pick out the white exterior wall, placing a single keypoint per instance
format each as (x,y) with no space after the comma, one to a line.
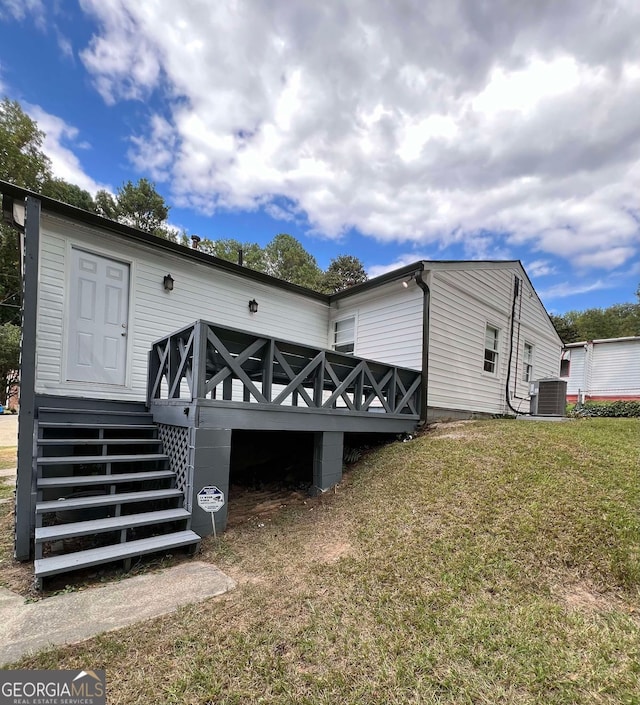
(616,369)
(533,326)
(388,324)
(576,381)
(605,368)
(464,299)
(200,292)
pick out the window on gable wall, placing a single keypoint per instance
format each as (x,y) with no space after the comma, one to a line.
(527,363)
(491,338)
(344,335)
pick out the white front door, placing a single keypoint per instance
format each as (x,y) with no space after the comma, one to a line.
(98,319)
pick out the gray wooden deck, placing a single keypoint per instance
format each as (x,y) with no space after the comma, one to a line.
(207,375)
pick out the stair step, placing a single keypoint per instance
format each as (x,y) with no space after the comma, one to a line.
(103,500)
(96,441)
(112,479)
(98,526)
(99,459)
(105,426)
(85,559)
(89,412)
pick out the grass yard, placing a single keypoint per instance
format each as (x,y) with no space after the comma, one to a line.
(7,487)
(7,460)
(7,457)
(488,562)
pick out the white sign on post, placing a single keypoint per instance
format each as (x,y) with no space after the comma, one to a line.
(211,499)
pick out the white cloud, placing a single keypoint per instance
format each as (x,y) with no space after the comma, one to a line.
(64,44)
(402,261)
(540,268)
(60,138)
(564,289)
(426,123)
(606,259)
(21,9)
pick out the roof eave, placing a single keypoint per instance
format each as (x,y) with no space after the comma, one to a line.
(92,219)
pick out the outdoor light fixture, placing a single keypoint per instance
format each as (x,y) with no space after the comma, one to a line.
(253,306)
(405,283)
(168,282)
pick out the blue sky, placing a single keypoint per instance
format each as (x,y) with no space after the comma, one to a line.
(392,131)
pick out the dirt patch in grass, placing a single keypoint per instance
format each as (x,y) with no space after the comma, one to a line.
(259,506)
(438,426)
(452,429)
(586,597)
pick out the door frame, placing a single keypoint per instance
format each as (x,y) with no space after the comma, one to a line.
(98,252)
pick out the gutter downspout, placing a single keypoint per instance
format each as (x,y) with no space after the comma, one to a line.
(426,308)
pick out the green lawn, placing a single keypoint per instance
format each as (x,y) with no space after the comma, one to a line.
(7,486)
(492,562)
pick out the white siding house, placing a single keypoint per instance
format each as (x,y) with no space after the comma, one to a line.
(387,323)
(149,312)
(126,334)
(606,370)
(467,302)
(476,330)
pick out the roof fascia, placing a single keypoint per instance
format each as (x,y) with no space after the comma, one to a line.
(627,339)
(391,276)
(73,213)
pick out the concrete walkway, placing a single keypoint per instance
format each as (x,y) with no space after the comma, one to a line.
(8,429)
(76,616)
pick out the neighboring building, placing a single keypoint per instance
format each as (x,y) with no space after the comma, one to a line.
(127,334)
(602,370)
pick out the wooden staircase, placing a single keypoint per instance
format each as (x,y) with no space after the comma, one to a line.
(104,491)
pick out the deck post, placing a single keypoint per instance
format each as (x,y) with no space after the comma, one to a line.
(211,454)
(25,492)
(327,460)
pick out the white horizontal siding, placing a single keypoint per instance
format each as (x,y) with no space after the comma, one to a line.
(200,292)
(388,324)
(576,381)
(463,302)
(50,310)
(616,369)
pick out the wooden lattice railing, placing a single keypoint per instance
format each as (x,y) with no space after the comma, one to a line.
(207,361)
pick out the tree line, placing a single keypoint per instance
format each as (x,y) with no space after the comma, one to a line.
(617,321)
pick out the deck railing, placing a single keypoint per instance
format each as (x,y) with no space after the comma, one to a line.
(208,361)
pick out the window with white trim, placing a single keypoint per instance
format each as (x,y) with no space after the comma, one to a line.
(491,340)
(344,335)
(527,363)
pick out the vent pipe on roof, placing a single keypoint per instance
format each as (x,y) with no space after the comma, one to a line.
(195,240)
(240,257)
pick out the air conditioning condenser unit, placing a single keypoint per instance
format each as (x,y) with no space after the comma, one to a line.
(548,397)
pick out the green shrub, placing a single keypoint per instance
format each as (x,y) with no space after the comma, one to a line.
(617,409)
